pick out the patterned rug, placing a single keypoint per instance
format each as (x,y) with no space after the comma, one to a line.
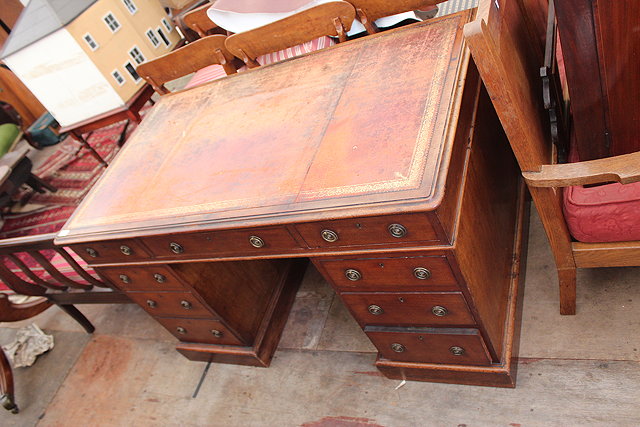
(73,171)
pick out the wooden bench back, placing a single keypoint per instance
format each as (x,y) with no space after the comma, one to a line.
(186,60)
(506,46)
(328,19)
(198,20)
(369,11)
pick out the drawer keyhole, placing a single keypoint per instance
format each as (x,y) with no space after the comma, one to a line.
(126,250)
(181,330)
(151,303)
(160,278)
(185,304)
(216,333)
(124,278)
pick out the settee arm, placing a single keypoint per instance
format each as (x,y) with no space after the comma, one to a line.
(624,169)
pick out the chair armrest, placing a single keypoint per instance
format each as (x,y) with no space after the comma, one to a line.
(624,169)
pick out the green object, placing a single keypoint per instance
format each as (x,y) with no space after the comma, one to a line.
(8,135)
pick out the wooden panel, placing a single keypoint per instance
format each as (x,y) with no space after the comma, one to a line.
(275,239)
(615,254)
(200,331)
(579,48)
(430,345)
(619,44)
(111,251)
(151,278)
(171,304)
(368,231)
(241,292)
(404,309)
(14,92)
(389,273)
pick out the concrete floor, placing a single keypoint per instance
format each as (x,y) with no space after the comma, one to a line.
(573,370)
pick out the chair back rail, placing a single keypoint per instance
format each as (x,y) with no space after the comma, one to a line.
(328,19)
(188,59)
(34,248)
(198,20)
(368,11)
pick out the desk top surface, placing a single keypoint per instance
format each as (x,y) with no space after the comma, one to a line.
(362,128)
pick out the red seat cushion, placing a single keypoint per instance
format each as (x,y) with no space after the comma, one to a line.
(292,52)
(604,213)
(58,262)
(206,74)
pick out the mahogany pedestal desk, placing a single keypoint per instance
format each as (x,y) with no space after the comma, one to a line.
(379,159)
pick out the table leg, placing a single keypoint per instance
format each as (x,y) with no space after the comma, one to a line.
(94,153)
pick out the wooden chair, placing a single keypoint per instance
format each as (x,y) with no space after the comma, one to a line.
(193,57)
(328,19)
(198,21)
(507,44)
(27,268)
(368,11)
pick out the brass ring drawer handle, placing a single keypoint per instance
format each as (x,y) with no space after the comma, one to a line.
(91,252)
(256,241)
(329,235)
(439,311)
(376,310)
(160,278)
(186,305)
(151,303)
(216,333)
(397,230)
(124,278)
(398,348)
(176,248)
(457,351)
(421,273)
(126,250)
(181,330)
(352,274)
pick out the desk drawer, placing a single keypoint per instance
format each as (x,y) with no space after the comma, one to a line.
(430,345)
(391,273)
(171,304)
(111,251)
(390,229)
(246,241)
(410,308)
(200,330)
(151,278)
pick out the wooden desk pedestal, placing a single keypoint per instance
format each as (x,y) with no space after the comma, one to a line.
(396,182)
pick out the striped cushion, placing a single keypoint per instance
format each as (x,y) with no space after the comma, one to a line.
(59,263)
(206,74)
(294,51)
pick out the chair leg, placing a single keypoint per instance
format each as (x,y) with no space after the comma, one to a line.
(72,311)
(567,281)
(39,185)
(6,384)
